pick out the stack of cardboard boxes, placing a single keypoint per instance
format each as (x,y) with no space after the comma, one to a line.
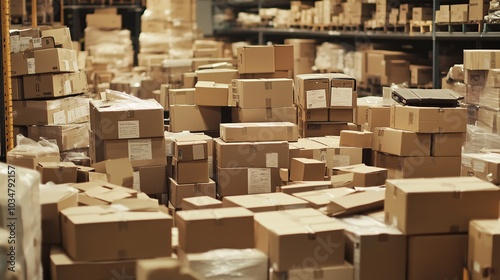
(304,52)
(355,13)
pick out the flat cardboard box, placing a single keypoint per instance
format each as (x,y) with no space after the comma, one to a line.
(63,267)
(200,202)
(459,13)
(312,91)
(484,166)
(151,179)
(57,172)
(493,79)
(447,144)
(119,171)
(178,192)
(209,229)
(242,180)
(429,119)
(68,137)
(67,110)
(258,132)
(399,167)
(340,115)
(188,172)
(104,21)
(264,202)
(373,246)
(256,59)
(83,243)
(190,150)
(262,93)
(53,200)
(481,59)
(117,120)
(304,169)
(319,129)
(317,115)
(357,202)
(220,76)
(194,118)
(483,253)
(251,154)
(378,117)
(345,271)
(320,198)
(211,94)
(185,96)
(424,261)
(445,199)
(359,139)
(281,114)
(401,142)
(343,91)
(364,176)
(421,14)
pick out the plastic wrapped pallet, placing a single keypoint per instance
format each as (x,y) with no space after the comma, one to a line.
(330,57)
(115,54)
(21,222)
(95,36)
(479,140)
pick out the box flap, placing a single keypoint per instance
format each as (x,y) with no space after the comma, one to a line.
(214,214)
(356,202)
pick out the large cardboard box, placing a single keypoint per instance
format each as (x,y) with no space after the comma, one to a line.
(264,202)
(281,114)
(194,118)
(319,129)
(345,271)
(150,179)
(262,93)
(185,96)
(200,202)
(459,13)
(481,59)
(251,154)
(104,21)
(312,91)
(57,172)
(401,142)
(211,94)
(178,192)
(54,85)
(420,75)
(447,144)
(256,59)
(425,262)
(52,201)
(209,229)
(373,246)
(359,139)
(40,61)
(304,169)
(83,243)
(220,76)
(68,137)
(243,180)
(429,119)
(188,172)
(258,132)
(445,200)
(478,9)
(364,176)
(51,112)
(484,166)
(484,249)
(126,120)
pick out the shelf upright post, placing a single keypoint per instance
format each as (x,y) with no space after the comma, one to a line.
(436,73)
(6,128)
(34,18)
(261,32)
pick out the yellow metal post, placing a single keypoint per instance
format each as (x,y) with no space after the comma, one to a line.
(34,18)
(7,84)
(62,12)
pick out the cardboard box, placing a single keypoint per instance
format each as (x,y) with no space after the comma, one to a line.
(281,114)
(285,74)
(104,21)
(459,13)
(343,91)
(493,79)
(52,201)
(40,61)
(242,180)
(378,117)
(357,202)
(444,208)
(51,112)
(283,57)
(178,191)
(304,148)
(475,77)
(478,9)
(57,172)
(87,174)
(18,8)
(200,202)
(391,67)
(363,176)
(372,246)
(63,267)
(299,187)
(29,158)
(264,202)
(17,88)
(447,144)
(62,36)
(484,166)
(422,14)
(418,166)
(187,172)
(151,179)
(317,115)
(54,85)
(81,243)
(256,59)
(444,14)
(481,59)
(303,169)
(119,171)
(319,129)
(189,80)
(258,132)
(312,91)
(137,119)
(212,53)
(190,150)
(220,76)
(209,229)
(401,142)
(429,119)
(211,94)
(194,118)
(320,198)
(359,139)
(345,271)
(335,155)
(68,137)
(483,256)
(262,93)
(424,261)
(140,152)
(420,75)
(98,193)
(185,96)
(340,115)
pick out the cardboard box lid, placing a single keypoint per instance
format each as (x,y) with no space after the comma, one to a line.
(50,194)
(452,185)
(321,198)
(278,201)
(356,202)
(202,200)
(309,229)
(290,213)
(119,171)
(56,165)
(366,225)
(208,84)
(487,226)
(214,214)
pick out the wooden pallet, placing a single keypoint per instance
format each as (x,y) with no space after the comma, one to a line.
(374,28)
(491,27)
(460,27)
(352,27)
(320,27)
(420,26)
(405,28)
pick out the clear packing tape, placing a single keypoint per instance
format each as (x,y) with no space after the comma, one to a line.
(479,140)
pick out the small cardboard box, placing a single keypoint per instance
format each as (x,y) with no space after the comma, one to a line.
(251,154)
(53,200)
(194,118)
(264,202)
(119,171)
(444,208)
(256,59)
(422,14)
(17,88)
(429,119)
(57,172)
(459,13)
(104,21)
(364,176)
(151,179)
(209,229)
(83,243)
(178,192)
(281,114)
(185,96)
(444,14)
(312,91)
(262,93)
(62,36)
(188,172)
(483,254)
(420,75)
(243,180)
(359,139)
(320,198)
(303,169)
(399,167)
(29,159)
(340,115)
(211,94)
(345,271)
(200,202)
(258,132)
(401,142)
(357,202)
(335,155)
(378,117)
(219,76)
(447,144)
(343,91)
(190,150)
(484,166)
(493,78)
(475,77)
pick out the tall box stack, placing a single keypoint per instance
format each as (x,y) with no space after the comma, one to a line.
(356,12)
(422,142)
(304,52)
(405,13)
(383,11)
(325,103)
(123,126)
(47,88)
(442,224)
(388,66)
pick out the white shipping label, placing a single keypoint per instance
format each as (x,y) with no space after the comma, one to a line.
(15,44)
(198,152)
(128,129)
(67,87)
(71,116)
(140,149)
(341,97)
(479,166)
(137,181)
(59,117)
(37,43)
(316,98)
(25,43)
(30,63)
(477,267)
(259,180)
(272,160)
(168,147)
(341,160)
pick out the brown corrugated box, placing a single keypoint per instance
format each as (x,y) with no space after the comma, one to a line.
(283,57)
(62,36)
(262,93)
(119,171)
(421,14)
(363,176)
(420,75)
(429,119)
(335,155)
(483,254)
(264,202)
(151,179)
(51,112)
(459,13)
(343,91)
(304,169)
(258,132)
(444,14)
(200,202)
(340,115)
(484,166)
(256,59)
(190,150)
(481,59)
(53,200)
(475,77)
(357,202)
(187,172)
(251,154)
(40,61)
(17,88)
(189,80)
(378,117)
(243,180)
(391,67)
(221,76)
(194,118)
(54,85)
(316,115)
(445,200)
(306,186)
(185,96)
(57,172)
(359,139)
(401,142)
(211,94)
(104,21)
(312,91)
(320,198)
(68,137)
(178,192)
(447,144)
(319,129)
(493,79)
(280,114)
(104,193)
(28,158)
(345,272)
